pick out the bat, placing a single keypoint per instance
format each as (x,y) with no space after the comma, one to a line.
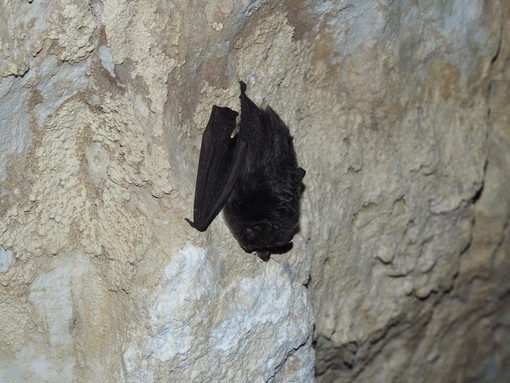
(253,176)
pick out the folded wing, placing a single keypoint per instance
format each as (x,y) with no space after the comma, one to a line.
(221,160)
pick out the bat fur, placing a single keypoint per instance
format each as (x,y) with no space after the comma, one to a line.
(253,176)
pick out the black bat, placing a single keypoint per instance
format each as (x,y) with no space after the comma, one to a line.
(253,176)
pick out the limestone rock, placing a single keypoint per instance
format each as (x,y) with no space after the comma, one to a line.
(399,113)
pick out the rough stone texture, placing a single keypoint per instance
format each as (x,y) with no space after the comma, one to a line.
(400,116)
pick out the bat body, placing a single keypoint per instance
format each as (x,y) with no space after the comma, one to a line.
(253,176)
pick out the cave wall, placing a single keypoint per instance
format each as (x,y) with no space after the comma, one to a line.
(399,113)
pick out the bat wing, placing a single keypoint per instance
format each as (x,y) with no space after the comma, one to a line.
(221,160)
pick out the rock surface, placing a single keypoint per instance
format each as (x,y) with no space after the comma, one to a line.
(399,113)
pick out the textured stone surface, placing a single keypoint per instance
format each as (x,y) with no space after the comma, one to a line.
(400,116)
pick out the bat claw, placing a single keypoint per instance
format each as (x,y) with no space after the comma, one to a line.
(194,225)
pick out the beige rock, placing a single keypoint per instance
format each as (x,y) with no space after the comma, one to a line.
(399,113)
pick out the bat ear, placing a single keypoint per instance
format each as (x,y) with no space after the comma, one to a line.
(264,255)
(300,174)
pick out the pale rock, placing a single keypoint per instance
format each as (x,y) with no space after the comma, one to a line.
(399,112)
(6,259)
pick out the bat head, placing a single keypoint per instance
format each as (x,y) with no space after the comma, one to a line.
(262,237)
(255,236)
(261,219)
